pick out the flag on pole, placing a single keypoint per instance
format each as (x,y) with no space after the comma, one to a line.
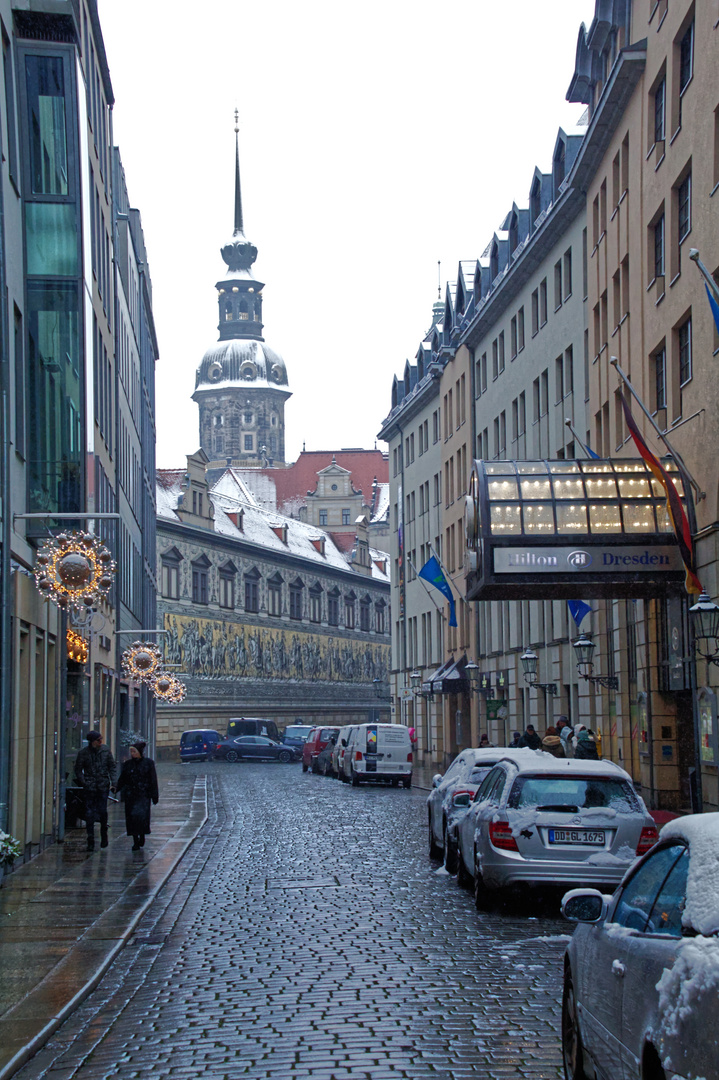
(674,504)
(432,572)
(713,305)
(578,610)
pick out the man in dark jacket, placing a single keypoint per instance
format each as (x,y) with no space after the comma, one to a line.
(95,773)
(530,739)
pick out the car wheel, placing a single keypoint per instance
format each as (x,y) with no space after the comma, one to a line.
(407,783)
(304,767)
(232,755)
(651,1065)
(572,1051)
(355,779)
(435,851)
(450,854)
(313,766)
(482,896)
(463,878)
(284,756)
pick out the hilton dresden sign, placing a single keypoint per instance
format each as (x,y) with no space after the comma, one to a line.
(568,530)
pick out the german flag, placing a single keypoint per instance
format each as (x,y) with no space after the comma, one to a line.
(674,504)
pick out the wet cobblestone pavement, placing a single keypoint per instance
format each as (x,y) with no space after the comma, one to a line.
(307,935)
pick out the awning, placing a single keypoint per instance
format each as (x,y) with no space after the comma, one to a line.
(450,678)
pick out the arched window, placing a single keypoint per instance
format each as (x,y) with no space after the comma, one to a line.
(333,607)
(171,573)
(252,590)
(274,594)
(365,608)
(350,600)
(316,603)
(244,310)
(296,589)
(200,580)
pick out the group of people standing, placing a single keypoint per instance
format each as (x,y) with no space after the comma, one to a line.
(95,771)
(562,740)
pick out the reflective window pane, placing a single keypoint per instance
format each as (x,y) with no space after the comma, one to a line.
(634,487)
(638,517)
(568,488)
(51,237)
(538,518)
(502,489)
(571,517)
(48,133)
(536,489)
(505,519)
(601,488)
(604,518)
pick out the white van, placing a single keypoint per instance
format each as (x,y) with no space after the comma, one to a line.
(379,752)
(338,753)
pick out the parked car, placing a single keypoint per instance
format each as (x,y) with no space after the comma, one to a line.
(257,748)
(323,762)
(641,973)
(451,794)
(316,742)
(338,752)
(252,725)
(379,752)
(462,822)
(296,734)
(198,744)
(553,821)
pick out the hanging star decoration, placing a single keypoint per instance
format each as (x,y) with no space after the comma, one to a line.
(75,570)
(168,688)
(141,661)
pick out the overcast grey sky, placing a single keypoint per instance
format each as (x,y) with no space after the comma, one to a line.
(375,139)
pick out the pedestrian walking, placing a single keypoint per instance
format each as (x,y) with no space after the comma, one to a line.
(585,747)
(138,782)
(516,736)
(484,742)
(413,738)
(530,739)
(552,743)
(95,770)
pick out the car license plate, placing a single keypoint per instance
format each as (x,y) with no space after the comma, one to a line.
(576,836)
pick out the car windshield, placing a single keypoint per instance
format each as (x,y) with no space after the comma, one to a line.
(297,732)
(328,733)
(569,794)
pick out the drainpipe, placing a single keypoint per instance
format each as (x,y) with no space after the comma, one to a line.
(6,680)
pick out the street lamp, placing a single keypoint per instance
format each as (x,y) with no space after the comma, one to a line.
(471,670)
(705,623)
(415,678)
(530,661)
(584,649)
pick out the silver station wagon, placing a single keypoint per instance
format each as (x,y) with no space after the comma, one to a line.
(641,973)
(557,822)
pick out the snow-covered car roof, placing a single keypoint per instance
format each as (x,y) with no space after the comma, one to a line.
(701,832)
(546,763)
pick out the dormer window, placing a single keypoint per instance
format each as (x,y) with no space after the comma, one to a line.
(494,262)
(513,234)
(535,203)
(558,169)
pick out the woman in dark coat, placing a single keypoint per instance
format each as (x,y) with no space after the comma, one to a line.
(138,780)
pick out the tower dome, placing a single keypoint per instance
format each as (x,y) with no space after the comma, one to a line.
(241,383)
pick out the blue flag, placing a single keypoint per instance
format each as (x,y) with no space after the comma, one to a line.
(713,305)
(578,610)
(432,572)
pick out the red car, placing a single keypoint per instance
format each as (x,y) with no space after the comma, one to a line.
(316,742)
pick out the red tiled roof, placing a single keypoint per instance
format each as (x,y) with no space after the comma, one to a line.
(343,541)
(297,479)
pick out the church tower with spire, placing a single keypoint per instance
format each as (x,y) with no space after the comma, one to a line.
(241,384)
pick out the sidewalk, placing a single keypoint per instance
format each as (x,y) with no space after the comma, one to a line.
(66,915)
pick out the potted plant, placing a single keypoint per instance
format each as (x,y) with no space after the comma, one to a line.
(9,852)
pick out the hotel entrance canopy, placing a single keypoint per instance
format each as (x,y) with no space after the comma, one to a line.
(570,530)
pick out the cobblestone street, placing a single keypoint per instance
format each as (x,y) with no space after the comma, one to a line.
(306,934)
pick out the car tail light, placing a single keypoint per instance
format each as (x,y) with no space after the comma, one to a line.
(648,839)
(409,757)
(500,835)
(358,755)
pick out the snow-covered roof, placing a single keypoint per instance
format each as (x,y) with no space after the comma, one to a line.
(382,507)
(259,524)
(574,765)
(701,832)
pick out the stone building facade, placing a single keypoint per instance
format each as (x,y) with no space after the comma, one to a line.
(265,615)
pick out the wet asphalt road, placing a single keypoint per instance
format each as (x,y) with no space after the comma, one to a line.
(306,934)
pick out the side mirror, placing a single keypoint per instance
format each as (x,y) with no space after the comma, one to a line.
(584,905)
(436,779)
(343,742)
(462,799)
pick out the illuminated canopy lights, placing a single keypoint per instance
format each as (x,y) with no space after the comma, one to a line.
(74,570)
(77,648)
(141,661)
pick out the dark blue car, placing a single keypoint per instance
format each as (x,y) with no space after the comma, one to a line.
(255,748)
(199,744)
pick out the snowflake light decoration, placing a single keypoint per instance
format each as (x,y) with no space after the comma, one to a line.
(141,661)
(74,570)
(168,688)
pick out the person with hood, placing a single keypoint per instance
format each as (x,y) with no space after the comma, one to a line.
(530,739)
(552,743)
(484,743)
(95,770)
(138,781)
(565,732)
(516,736)
(585,747)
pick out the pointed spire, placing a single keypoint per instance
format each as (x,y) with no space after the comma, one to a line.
(238,194)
